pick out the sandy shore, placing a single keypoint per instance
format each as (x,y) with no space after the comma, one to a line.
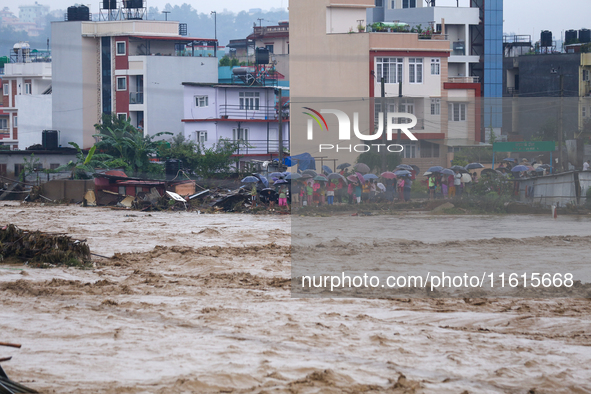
(201,303)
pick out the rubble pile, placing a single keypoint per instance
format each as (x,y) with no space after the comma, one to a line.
(42,249)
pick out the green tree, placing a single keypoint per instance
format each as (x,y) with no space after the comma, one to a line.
(373,160)
(29,167)
(84,163)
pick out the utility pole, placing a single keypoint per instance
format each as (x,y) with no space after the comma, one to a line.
(399,135)
(383,110)
(215,32)
(166,15)
(280,117)
(560,127)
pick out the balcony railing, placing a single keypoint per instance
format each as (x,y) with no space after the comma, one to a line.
(463,80)
(251,112)
(512,90)
(136,97)
(259,147)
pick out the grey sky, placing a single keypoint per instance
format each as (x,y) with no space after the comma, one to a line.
(521,16)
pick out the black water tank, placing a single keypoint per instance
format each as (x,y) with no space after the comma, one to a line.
(49,139)
(546,38)
(584,36)
(570,37)
(262,56)
(72,13)
(83,13)
(109,4)
(172,167)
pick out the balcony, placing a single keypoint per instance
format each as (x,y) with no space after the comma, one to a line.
(260,147)
(463,80)
(257,112)
(458,48)
(136,97)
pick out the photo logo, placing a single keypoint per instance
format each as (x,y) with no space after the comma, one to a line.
(390,126)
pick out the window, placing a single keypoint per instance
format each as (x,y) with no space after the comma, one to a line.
(3,170)
(120,48)
(270,48)
(202,136)
(121,83)
(201,101)
(18,168)
(584,112)
(240,134)
(415,70)
(3,124)
(457,112)
(122,116)
(429,149)
(585,75)
(377,110)
(5,89)
(54,166)
(379,3)
(405,106)
(410,150)
(435,107)
(249,100)
(390,68)
(15,121)
(409,3)
(435,66)
(28,88)
(392,4)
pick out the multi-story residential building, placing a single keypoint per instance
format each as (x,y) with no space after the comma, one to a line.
(128,68)
(353,67)
(248,114)
(475,35)
(33,13)
(26,98)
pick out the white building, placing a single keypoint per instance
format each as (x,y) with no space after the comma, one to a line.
(236,113)
(33,13)
(26,84)
(131,68)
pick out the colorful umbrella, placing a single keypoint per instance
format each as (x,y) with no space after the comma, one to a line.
(360,177)
(388,175)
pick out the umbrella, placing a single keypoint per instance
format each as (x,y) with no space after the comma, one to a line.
(262,179)
(370,176)
(307,176)
(344,165)
(281,182)
(404,167)
(388,175)
(459,169)
(448,171)
(427,173)
(519,168)
(546,166)
(416,168)
(353,178)
(381,187)
(310,172)
(474,166)
(277,175)
(540,169)
(435,169)
(360,176)
(489,171)
(326,170)
(320,178)
(509,159)
(250,179)
(402,173)
(293,176)
(336,176)
(362,168)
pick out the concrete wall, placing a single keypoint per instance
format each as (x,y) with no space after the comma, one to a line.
(34,117)
(163,94)
(557,189)
(46,159)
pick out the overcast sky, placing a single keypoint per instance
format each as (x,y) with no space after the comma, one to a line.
(521,16)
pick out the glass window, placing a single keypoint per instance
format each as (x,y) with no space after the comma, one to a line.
(5,89)
(435,66)
(122,116)
(270,48)
(28,88)
(390,68)
(415,70)
(409,3)
(379,3)
(121,83)
(435,107)
(3,124)
(249,100)
(121,48)
(240,134)
(410,150)
(457,112)
(15,120)
(201,101)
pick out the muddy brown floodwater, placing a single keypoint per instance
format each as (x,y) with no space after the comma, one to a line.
(191,303)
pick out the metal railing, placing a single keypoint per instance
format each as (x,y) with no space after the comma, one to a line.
(258,147)
(136,97)
(251,112)
(463,79)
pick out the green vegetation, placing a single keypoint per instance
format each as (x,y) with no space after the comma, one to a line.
(373,160)
(85,163)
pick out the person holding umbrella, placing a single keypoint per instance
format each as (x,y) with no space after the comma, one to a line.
(457,183)
(432,187)
(407,187)
(358,191)
(296,188)
(330,188)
